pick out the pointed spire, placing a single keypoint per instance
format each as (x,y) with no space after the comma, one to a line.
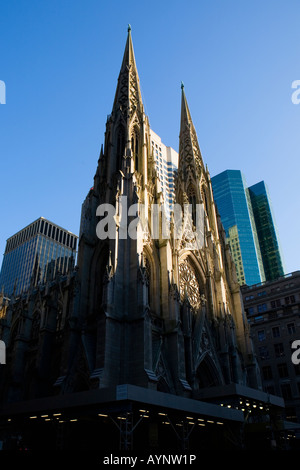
(128,96)
(189,150)
(186,119)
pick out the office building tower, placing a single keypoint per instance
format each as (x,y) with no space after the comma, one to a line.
(36,253)
(235,209)
(166,163)
(273,310)
(266,231)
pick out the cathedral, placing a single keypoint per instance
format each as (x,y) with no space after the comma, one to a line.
(145,339)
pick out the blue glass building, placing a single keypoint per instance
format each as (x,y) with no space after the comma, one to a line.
(234,206)
(36,253)
(266,231)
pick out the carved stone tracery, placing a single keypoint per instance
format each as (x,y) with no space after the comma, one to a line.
(189,285)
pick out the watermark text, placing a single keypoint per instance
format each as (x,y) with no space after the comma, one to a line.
(296,94)
(2,353)
(296,354)
(2,92)
(139,221)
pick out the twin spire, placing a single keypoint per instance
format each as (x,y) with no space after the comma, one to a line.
(128,100)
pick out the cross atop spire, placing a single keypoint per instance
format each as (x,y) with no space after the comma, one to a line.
(128,96)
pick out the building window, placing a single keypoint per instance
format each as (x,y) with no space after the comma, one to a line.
(249,297)
(276,331)
(258,318)
(286,391)
(263,352)
(279,351)
(267,372)
(289,300)
(261,308)
(283,370)
(261,335)
(291,328)
(135,148)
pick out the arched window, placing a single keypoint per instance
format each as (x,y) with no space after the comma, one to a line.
(135,148)
(193,203)
(192,200)
(189,285)
(204,197)
(35,328)
(120,146)
(148,279)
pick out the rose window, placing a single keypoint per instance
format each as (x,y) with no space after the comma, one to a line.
(189,284)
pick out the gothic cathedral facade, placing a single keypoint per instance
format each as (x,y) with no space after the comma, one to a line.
(154,312)
(158,313)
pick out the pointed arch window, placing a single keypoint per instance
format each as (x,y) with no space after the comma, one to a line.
(135,148)
(204,197)
(193,203)
(148,278)
(35,328)
(120,146)
(189,285)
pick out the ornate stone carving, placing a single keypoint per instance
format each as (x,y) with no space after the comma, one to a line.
(189,285)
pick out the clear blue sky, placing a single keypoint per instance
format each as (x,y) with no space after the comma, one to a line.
(60,62)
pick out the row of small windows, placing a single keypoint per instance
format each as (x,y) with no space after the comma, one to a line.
(282,369)
(34,254)
(58,235)
(274,289)
(47,229)
(153,143)
(260,308)
(261,334)
(286,391)
(22,236)
(264,353)
(283,372)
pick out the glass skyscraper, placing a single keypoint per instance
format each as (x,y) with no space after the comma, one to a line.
(234,206)
(266,231)
(36,253)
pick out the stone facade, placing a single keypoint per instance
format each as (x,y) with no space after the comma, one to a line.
(151,312)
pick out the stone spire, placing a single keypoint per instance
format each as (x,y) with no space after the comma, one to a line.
(190,158)
(128,98)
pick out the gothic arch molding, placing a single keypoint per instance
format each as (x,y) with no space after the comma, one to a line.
(120,139)
(154,278)
(207,373)
(190,258)
(97,272)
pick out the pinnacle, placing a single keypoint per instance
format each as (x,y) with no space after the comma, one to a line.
(128,94)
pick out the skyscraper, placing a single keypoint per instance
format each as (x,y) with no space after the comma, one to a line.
(234,206)
(166,162)
(39,250)
(266,231)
